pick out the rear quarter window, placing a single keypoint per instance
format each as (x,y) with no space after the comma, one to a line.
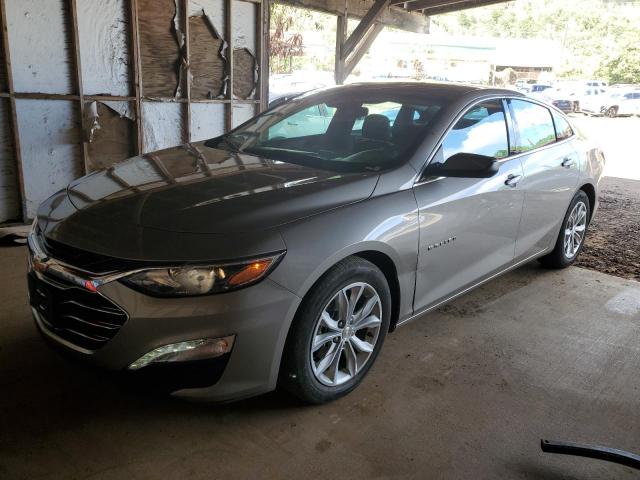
(563,129)
(534,125)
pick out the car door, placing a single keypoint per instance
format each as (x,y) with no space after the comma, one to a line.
(468,226)
(550,165)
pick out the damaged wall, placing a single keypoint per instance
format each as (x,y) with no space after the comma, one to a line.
(160,50)
(111,132)
(88,95)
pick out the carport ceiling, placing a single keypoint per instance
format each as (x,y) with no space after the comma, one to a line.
(410,15)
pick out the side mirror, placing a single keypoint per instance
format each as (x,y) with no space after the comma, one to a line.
(465,165)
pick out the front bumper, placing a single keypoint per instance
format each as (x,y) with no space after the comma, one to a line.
(258,316)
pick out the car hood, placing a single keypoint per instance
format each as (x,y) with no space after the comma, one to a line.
(197,189)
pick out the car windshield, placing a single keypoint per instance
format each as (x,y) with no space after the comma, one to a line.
(362,132)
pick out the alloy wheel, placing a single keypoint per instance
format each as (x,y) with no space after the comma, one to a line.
(575,229)
(346,334)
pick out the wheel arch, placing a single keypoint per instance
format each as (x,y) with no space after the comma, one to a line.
(590,190)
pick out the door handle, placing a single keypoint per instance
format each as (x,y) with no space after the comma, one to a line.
(567,162)
(512,180)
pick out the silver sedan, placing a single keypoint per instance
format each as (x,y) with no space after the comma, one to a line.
(284,252)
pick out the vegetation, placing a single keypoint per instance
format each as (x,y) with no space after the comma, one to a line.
(599,38)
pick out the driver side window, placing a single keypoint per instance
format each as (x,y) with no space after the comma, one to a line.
(482,130)
(313,120)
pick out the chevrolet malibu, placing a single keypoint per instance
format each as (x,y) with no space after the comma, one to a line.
(283,252)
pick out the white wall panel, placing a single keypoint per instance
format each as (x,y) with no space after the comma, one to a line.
(207,120)
(39,46)
(244,16)
(242,113)
(49,143)
(103,34)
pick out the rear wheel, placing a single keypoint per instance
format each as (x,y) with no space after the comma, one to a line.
(571,237)
(337,333)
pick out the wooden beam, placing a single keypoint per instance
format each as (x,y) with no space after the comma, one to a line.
(364,46)
(422,4)
(77,60)
(393,17)
(14,115)
(429,7)
(364,26)
(187,69)
(228,6)
(137,73)
(341,34)
(263,56)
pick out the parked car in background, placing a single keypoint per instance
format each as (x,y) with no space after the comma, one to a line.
(618,102)
(284,252)
(560,99)
(579,91)
(536,90)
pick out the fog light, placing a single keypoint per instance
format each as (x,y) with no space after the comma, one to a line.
(200,349)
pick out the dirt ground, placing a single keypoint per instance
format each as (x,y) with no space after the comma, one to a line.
(613,240)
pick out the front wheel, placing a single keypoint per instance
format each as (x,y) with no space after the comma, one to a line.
(337,333)
(612,112)
(571,237)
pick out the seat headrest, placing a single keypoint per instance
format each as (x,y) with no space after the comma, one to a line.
(376,127)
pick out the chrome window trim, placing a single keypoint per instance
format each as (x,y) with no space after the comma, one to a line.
(472,104)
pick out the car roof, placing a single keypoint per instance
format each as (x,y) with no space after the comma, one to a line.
(437,89)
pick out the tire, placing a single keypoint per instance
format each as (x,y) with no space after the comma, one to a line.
(564,254)
(612,112)
(320,317)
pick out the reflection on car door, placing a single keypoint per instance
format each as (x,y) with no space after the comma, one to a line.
(550,174)
(468,226)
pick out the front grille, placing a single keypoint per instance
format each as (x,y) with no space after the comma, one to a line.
(83,259)
(81,317)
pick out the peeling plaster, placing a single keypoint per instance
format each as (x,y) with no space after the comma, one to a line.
(160,48)
(103,33)
(245,73)
(208,69)
(110,133)
(161,125)
(39,46)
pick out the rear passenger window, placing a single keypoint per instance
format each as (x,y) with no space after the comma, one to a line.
(563,129)
(482,130)
(534,124)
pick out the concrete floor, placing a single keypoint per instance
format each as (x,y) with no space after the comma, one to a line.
(465,392)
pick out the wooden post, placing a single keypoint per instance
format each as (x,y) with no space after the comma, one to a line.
(75,35)
(229,34)
(14,115)
(263,55)
(341,35)
(187,70)
(137,73)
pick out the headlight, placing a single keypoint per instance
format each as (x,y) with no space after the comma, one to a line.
(191,280)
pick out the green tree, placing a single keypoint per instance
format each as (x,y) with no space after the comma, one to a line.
(624,68)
